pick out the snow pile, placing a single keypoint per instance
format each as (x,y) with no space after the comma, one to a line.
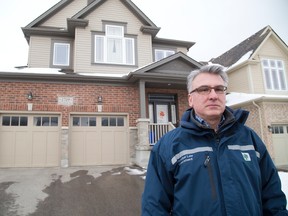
(131,171)
(33,70)
(244,58)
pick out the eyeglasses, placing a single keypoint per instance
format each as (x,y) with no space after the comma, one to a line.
(205,90)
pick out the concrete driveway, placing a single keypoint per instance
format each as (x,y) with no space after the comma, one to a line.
(81,191)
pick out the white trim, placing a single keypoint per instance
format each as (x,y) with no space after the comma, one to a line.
(243,148)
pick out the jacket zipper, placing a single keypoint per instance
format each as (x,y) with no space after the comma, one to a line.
(207,165)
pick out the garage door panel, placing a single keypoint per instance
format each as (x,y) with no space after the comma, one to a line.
(120,146)
(7,149)
(98,140)
(52,148)
(108,150)
(93,148)
(280,144)
(77,155)
(22,149)
(29,140)
(280,150)
(39,149)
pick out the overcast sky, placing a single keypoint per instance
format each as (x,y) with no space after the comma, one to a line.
(214,25)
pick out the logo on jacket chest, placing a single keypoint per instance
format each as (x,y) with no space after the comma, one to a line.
(246,156)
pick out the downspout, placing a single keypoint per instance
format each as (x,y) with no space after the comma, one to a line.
(260,117)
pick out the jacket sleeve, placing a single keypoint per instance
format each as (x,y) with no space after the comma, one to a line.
(157,196)
(273,198)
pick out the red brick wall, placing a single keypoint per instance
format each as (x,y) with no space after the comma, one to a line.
(118,99)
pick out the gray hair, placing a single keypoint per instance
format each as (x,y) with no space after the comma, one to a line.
(212,69)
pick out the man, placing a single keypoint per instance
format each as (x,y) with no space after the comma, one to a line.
(212,164)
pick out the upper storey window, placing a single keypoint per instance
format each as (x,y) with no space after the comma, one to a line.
(274,74)
(61,54)
(160,54)
(114,47)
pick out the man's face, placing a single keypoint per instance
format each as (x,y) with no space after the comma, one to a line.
(211,105)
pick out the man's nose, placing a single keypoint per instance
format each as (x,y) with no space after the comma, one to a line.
(213,94)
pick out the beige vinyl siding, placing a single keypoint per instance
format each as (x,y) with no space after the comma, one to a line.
(257,81)
(271,49)
(110,11)
(239,81)
(60,18)
(38,45)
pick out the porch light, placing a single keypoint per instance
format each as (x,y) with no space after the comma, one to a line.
(99,105)
(30,96)
(100,99)
(270,128)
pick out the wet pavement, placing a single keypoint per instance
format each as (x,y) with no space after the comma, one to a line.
(82,191)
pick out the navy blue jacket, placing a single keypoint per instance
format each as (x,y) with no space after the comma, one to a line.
(193,170)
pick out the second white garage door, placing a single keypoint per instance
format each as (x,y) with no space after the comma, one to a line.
(98,140)
(280,144)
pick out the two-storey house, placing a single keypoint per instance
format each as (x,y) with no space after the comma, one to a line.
(98,78)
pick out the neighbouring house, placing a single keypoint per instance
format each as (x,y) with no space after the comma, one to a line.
(258,82)
(99,87)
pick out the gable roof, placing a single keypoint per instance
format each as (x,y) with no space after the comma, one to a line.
(245,49)
(170,72)
(78,19)
(177,56)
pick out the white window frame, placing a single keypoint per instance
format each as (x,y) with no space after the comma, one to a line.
(274,75)
(102,41)
(163,53)
(58,59)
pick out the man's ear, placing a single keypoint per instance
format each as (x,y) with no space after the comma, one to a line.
(190,100)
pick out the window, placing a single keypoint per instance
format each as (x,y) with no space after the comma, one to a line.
(14,121)
(274,74)
(114,47)
(160,54)
(85,121)
(45,121)
(61,54)
(280,129)
(112,121)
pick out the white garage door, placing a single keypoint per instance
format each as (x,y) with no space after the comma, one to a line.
(98,140)
(29,140)
(280,144)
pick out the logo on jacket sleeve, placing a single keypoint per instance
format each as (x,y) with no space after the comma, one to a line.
(246,156)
